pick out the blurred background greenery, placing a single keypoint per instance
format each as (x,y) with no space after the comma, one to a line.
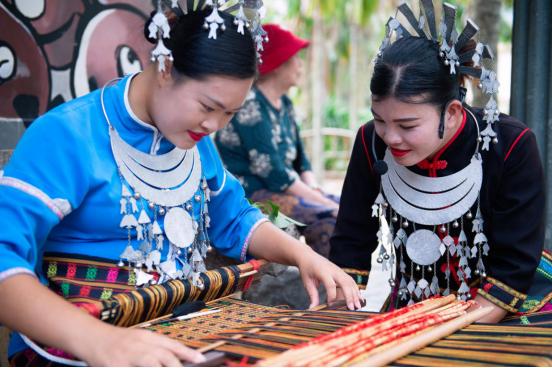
(333,99)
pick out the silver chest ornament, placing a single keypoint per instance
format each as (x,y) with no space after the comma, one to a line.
(409,201)
(164,208)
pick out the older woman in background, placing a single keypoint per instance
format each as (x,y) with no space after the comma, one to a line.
(262,148)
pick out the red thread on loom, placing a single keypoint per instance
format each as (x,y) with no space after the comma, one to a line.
(340,348)
(372,322)
(256,266)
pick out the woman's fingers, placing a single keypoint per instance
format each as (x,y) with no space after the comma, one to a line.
(170,360)
(347,289)
(331,288)
(134,347)
(185,353)
(174,352)
(312,291)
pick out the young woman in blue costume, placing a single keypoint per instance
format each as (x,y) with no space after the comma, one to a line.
(127,175)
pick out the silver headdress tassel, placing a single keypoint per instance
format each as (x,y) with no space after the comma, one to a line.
(451,45)
(247,14)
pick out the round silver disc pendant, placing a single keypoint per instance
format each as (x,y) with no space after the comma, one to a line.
(423,246)
(179,227)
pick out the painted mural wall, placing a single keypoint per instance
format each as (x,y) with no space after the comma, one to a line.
(52,51)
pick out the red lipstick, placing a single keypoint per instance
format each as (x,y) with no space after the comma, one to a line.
(398,153)
(196,136)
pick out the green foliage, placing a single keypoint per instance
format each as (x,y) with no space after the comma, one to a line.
(336,113)
(272,210)
(363,9)
(357,11)
(505,35)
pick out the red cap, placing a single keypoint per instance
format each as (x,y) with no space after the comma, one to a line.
(281,47)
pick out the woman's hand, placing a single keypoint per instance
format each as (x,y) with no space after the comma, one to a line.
(55,322)
(270,243)
(316,270)
(116,346)
(495,316)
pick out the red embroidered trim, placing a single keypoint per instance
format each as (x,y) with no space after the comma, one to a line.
(435,165)
(366,148)
(515,142)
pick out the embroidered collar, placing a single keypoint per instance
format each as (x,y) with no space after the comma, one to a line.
(437,164)
(133,130)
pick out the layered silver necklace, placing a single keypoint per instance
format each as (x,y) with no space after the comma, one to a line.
(408,200)
(164,200)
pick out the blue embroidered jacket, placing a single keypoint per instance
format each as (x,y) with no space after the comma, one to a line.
(61,190)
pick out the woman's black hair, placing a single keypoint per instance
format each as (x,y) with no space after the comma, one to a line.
(412,71)
(197,56)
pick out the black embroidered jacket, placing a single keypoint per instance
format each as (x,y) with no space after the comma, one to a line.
(512,204)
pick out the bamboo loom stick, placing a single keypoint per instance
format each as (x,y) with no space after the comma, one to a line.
(385,342)
(250,273)
(350,339)
(345,349)
(423,339)
(384,321)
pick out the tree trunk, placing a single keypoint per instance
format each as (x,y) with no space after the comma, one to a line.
(353,75)
(317,95)
(487,17)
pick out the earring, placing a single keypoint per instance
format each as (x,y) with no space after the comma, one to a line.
(442,124)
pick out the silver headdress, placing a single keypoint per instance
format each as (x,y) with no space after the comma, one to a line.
(451,45)
(247,14)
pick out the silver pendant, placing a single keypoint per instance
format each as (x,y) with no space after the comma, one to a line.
(178,227)
(423,246)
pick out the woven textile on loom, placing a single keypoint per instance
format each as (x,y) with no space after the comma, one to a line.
(248,333)
(109,292)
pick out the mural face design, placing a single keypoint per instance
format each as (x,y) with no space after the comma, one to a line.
(112,45)
(24,77)
(57,50)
